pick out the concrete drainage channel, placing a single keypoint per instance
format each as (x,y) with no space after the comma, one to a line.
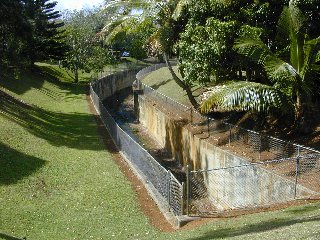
(224,180)
(161,184)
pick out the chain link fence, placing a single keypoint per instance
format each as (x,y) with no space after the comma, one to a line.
(164,185)
(145,71)
(249,186)
(269,171)
(273,171)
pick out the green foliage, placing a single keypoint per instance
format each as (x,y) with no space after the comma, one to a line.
(132,37)
(30,31)
(147,24)
(87,52)
(44,40)
(205,48)
(245,96)
(204,51)
(296,77)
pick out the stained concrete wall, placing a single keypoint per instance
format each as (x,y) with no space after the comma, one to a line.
(110,84)
(235,182)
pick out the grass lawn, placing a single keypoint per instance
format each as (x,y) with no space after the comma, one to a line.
(161,80)
(57,181)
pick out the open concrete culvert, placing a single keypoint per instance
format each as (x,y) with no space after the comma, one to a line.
(121,107)
(162,151)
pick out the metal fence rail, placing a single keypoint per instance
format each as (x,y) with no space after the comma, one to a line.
(163,181)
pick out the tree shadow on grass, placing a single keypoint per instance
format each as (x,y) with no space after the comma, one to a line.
(73,130)
(20,81)
(8,237)
(55,76)
(270,225)
(15,165)
(158,85)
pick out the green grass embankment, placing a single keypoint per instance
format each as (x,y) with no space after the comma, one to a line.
(57,181)
(162,81)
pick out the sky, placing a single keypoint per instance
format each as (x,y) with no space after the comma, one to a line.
(76,4)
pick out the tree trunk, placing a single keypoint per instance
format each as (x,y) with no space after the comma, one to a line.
(181,84)
(76,76)
(303,121)
(249,74)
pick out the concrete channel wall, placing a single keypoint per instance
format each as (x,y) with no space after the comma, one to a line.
(233,181)
(160,183)
(113,83)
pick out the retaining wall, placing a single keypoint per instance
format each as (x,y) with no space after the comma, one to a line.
(108,85)
(235,182)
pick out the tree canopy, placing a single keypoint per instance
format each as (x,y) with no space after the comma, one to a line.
(87,50)
(30,31)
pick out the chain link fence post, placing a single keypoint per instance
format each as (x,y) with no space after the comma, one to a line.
(188,189)
(169,188)
(260,146)
(229,135)
(182,197)
(297,173)
(208,126)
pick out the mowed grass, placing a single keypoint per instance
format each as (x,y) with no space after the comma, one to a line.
(162,81)
(57,181)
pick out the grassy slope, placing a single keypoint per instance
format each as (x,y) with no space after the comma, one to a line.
(162,81)
(56,179)
(58,182)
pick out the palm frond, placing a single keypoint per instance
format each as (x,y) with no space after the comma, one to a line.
(125,3)
(111,29)
(245,96)
(297,18)
(284,24)
(279,70)
(311,55)
(317,58)
(255,49)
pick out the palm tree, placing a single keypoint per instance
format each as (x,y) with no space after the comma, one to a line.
(165,12)
(293,78)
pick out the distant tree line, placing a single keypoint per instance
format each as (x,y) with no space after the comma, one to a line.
(33,31)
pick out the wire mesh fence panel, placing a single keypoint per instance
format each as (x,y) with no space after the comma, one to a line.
(176,195)
(308,169)
(166,185)
(200,202)
(175,108)
(239,187)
